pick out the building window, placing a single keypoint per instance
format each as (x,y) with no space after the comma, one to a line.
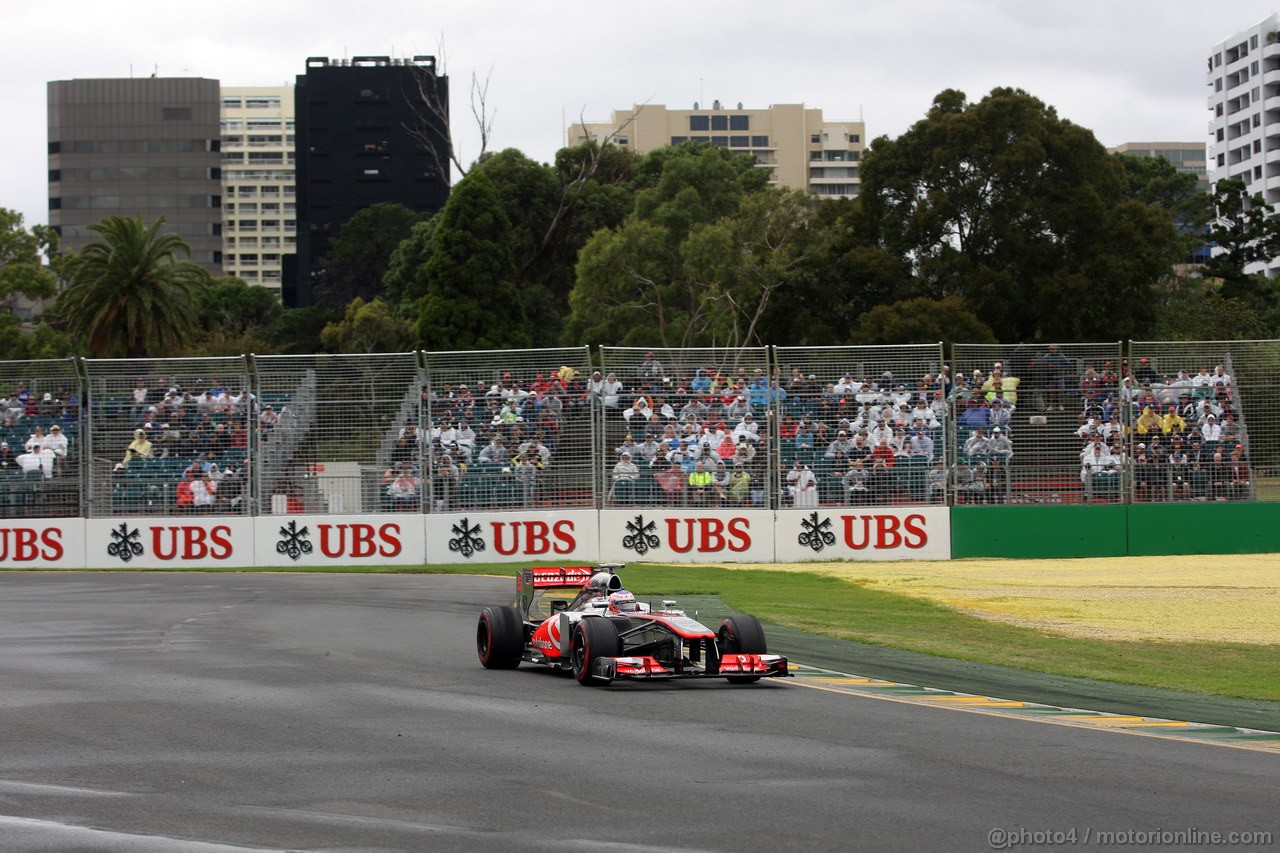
(1257,120)
(678,140)
(739,141)
(739,122)
(55,203)
(268,103)
(1253,43)
(855,137)
(759,142)
(719,122)
(229,103)
(701,140)
(55,147)
(175,113)
(815,139)
(815,155)
(1217,85)
(621,140)
(1221,134)
(720,141)
(699,122)
(55,175)
(1257,146)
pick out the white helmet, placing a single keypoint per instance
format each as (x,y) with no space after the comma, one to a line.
(622,602)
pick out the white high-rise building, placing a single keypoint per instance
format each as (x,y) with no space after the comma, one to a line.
(259,200)
(1244,104)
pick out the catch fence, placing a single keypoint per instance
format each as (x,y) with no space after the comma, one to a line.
(752,428)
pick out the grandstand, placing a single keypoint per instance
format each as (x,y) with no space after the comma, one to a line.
(762,428)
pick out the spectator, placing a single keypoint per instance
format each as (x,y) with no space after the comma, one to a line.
(1173,423)
(978,447)
(204,492)
(700,482)
(447,479)
(999,446)
(139,448)
(748,429)
(971,483)
(1144,373)
(651,373)
(1220,377)
(36,460)
(857,483)
(740,485)
(1056,366)
(1241,479)
(802,485)
(671,481)
(1098,470)
(1179,470)
(842,444)
(1149,422)
(937,483)
(268,420)
(611,390)
(1219,477)
(495,452)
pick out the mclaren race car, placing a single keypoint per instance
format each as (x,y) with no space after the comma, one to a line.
(580,619)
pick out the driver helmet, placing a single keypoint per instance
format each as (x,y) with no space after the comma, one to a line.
(622,602)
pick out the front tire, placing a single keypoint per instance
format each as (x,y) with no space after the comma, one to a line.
(593,638)
(500,637)
(741,635)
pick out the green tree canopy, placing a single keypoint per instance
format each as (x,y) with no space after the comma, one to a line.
(471,301)
(359,256)
(22,272)
(368,327)
(129,294)
(922,320)
(1244,233)
(698,261)
(1012,208)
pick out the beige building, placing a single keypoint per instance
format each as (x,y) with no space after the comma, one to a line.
(259,199)
(795,143)
(1187,157)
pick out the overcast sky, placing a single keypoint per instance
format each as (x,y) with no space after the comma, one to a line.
(1128,71)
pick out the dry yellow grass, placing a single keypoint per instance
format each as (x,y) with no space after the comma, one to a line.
(1196,598)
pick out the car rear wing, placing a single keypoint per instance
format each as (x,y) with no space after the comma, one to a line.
(530,580)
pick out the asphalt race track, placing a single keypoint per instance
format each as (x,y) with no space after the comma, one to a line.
(214,712)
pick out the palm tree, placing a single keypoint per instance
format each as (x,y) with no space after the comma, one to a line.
(129,294)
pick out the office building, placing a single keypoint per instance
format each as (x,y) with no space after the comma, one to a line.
(133,147)
(259,200)
(1243,75)
(800,148)
(370,129)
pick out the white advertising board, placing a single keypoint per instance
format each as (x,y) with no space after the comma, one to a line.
(42,543)
(179,542)
(863,533)
(687,536)
(341,540)
(513,537)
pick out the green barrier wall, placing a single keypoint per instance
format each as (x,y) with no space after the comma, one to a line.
(1204,528)
(1044,532)
(1039,532)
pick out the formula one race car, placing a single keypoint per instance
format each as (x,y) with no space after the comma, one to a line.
(580,619)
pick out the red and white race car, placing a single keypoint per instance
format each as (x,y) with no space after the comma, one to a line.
(580,619)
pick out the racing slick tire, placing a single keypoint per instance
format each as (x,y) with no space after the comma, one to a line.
(593,638)
(741,635)
(500,637)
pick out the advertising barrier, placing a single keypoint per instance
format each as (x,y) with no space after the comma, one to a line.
(37,543)
(863,533)
(512,537)
(340,540)
(683,536)
(168,542)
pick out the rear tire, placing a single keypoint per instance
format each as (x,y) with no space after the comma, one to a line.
(500,637)
(741,635)
(593,638)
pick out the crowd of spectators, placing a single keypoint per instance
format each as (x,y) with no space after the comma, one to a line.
(39,453)
(189,447)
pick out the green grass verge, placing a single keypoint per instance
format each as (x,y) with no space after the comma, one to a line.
(836,607)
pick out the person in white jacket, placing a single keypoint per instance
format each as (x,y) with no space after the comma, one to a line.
(803,486)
